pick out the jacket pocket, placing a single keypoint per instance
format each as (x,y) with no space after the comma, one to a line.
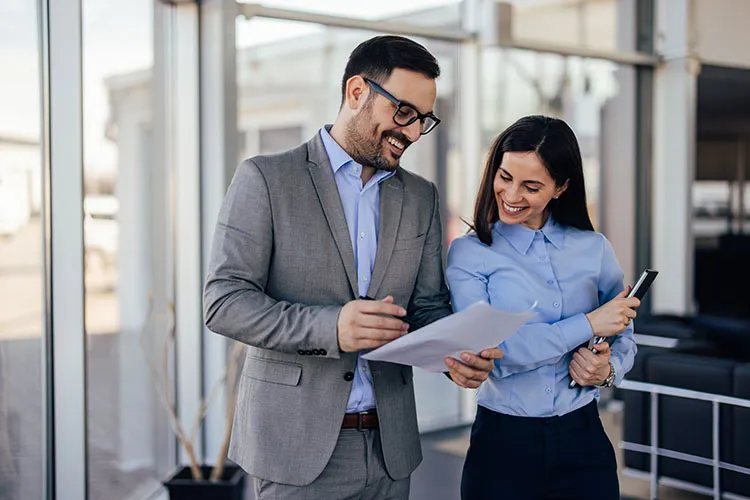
(269,370)
(409,243)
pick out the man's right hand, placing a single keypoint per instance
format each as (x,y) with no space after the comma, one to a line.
(367,324)
(614,317)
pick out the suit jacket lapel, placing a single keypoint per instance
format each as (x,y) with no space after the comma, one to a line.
(328,194)
(391,199)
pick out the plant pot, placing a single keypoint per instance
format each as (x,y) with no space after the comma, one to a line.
(182,486)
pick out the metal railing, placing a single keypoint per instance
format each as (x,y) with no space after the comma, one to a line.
(655,451)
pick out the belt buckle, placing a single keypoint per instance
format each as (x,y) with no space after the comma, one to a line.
(361,419)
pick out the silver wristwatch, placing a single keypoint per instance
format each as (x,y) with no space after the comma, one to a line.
(610,380)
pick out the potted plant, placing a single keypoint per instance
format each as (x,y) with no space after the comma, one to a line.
(196,481)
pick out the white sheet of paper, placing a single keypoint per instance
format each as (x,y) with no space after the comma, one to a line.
(471,330)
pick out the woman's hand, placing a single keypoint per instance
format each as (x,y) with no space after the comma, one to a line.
(473,369)
(588,368)
(614,317)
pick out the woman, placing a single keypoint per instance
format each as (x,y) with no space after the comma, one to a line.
(535,436)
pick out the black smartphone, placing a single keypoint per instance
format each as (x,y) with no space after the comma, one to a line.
(643,284)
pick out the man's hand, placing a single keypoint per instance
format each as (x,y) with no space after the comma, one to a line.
(367,324)
(472,370)
(588,368)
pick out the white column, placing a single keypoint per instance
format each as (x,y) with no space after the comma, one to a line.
(675,85)
(63,129)
(469,99)
(161,225)
(135,447)
(218,161)
(185,112)
(618,152)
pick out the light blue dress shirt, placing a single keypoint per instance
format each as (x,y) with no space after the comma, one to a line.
(362,210)
(569,273)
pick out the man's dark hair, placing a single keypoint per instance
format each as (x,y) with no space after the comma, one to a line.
(377,57)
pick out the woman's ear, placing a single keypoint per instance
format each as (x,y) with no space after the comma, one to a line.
(559,191)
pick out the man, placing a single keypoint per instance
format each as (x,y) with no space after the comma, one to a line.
(304,239)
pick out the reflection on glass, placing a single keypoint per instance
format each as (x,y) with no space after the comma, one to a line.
(278,110)
(433,13)
(362,10)
(127,441)
(583,23)
(516,83)
(21,254)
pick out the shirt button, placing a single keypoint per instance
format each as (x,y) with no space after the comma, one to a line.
(542,257)
(550,282)
(361,235)
(364,279)
(547,390)
(556,304)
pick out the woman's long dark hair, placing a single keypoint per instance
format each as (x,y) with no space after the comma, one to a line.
(557,147)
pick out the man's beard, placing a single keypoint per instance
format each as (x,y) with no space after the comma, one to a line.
(366,150)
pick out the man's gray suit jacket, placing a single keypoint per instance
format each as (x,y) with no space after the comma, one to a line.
(281,268)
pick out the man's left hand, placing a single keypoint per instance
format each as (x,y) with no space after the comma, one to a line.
(588,368)
(472,370)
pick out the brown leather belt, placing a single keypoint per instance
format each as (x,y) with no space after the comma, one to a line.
(364,420)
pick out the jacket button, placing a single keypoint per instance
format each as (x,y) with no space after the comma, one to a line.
(316,352)
(309,353)
(323,352)
(349,376)
(301,352)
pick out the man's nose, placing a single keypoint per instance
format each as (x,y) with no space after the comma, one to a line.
(414,131)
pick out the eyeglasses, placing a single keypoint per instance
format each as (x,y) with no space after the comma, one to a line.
(405,114)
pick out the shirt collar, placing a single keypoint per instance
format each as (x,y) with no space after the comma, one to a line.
(339,158)
(521,237)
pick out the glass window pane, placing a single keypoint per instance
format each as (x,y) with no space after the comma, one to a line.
(272,97)
(517,83)
(584,23)
(434,13)
(367,10)
(128,441)
(21,254)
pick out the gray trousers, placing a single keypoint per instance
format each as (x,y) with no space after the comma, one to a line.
(355,472)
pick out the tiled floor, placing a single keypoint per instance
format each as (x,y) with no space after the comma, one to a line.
(439,475)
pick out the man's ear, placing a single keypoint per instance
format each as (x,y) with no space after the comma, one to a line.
(356,92)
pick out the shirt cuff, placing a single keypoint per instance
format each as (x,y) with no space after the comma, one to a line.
(617,365)
(575,331)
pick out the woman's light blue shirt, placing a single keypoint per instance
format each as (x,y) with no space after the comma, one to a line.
(569,273)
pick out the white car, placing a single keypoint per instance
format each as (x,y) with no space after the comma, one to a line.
(101,231)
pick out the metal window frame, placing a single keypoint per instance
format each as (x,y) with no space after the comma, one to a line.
(65,336)
(645,13)
(250,10)
(654,451)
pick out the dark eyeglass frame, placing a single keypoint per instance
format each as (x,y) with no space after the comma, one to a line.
(419,116)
